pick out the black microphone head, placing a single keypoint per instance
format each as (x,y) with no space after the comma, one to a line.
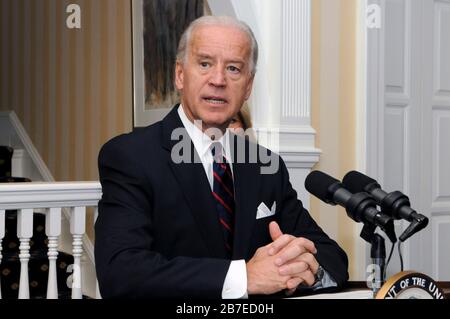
(357,182)
(321,185)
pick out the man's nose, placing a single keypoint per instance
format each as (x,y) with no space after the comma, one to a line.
(218,77)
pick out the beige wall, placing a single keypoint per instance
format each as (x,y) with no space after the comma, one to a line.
(334,106)
(71,88)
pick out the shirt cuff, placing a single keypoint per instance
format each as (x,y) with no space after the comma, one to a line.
(326,282)
(235,285)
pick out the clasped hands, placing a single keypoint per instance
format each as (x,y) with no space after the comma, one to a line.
(283,264)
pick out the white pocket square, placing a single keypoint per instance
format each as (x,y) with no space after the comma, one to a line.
(263,211)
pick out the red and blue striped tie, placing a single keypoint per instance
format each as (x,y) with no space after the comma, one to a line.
(223,194)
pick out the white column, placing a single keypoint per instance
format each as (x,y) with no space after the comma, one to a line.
(24,232)
(297,137)
(77,229)
(53,230)
(296,62)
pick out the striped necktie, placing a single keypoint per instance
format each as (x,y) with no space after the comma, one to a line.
(223,194)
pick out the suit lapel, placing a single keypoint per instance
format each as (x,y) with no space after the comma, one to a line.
(195,187)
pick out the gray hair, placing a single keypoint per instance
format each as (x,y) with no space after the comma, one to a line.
(221,21)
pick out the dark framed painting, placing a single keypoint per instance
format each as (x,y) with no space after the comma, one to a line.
(157,26)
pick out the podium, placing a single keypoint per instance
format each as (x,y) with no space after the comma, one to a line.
(359,290)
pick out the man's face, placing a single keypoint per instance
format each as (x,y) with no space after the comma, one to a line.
(215,79)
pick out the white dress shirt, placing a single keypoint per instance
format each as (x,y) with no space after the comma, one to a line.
(235,285)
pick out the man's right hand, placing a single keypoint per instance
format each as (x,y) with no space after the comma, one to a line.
(263,275)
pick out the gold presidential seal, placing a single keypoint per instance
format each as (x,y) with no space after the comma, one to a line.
(410,285)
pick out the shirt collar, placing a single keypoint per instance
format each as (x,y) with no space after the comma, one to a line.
(202,142)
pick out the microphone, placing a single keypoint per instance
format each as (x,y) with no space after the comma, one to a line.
(395,204)
(360,206)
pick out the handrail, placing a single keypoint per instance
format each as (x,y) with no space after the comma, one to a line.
(49,194)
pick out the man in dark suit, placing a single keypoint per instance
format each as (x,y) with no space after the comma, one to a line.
(186,209)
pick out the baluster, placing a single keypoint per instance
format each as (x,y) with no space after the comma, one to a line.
(97,288)
(24,232)
(77,229)
(53,230)
(2,234)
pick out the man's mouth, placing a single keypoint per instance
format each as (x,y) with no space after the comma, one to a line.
(215,100)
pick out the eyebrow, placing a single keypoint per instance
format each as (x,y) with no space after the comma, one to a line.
(207,56)
(203,56)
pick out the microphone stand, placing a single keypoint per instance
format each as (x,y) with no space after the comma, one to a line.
(377,252)
(357,207)
(378,255)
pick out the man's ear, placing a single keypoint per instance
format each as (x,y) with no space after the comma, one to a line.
(179,76)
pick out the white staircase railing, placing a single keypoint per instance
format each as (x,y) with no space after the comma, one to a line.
(52,198)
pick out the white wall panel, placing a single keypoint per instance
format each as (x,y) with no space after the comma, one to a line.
(442,48)
(441,239)
(397,46)
(395,146)
(441,156)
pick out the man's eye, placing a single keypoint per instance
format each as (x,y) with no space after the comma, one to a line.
(233,69)
(204,64)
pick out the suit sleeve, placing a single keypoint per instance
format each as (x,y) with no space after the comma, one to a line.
(296,220)
(126,265)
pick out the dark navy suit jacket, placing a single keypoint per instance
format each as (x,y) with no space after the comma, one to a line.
(157,232)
